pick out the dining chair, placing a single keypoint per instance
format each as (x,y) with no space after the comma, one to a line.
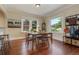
(1,46)
(30,40)
(50,35)
(4,44)
(43,39)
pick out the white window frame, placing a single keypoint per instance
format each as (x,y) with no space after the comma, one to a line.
(30,25)
(61,25)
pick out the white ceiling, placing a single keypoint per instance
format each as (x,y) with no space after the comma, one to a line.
(31,9)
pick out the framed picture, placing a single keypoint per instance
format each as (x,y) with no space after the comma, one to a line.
(13,23)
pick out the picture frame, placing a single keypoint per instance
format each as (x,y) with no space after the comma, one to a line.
(14,23)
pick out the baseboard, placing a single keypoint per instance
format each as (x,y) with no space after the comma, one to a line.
(57,40)
(18,38)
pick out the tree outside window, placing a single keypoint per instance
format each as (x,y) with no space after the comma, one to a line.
(56,25)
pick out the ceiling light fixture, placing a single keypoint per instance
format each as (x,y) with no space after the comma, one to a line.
(37,5)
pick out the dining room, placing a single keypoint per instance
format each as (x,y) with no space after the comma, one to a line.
(35,29)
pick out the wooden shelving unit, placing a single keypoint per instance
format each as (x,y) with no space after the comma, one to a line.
(72,36)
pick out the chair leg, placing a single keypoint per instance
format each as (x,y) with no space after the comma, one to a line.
(27,44)
(43,42)
(9,45)
(32,44)
(48,42)
(38,44)
(2,52)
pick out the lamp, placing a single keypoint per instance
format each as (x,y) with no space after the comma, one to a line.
(37,5)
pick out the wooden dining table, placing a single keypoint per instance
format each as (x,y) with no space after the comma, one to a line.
(35,35)
(41,36)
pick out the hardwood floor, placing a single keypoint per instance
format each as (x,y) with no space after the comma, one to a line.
(56,48)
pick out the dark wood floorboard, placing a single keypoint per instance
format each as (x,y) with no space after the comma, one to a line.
(18,47)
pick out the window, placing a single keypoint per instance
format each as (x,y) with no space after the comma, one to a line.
(34,26)
(25,25)
(56,25)
(28,25)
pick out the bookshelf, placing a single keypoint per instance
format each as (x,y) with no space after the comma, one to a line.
(72,30)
